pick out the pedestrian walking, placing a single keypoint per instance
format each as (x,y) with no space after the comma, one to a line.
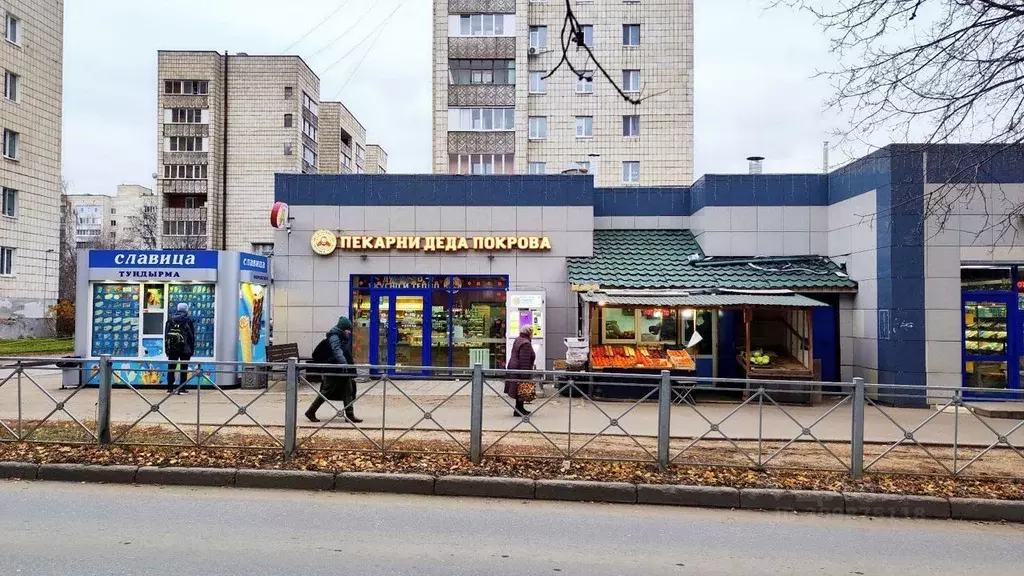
(179,345)
(338,384)
(522,357)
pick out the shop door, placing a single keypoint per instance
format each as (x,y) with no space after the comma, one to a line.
(991,359)
(399,335)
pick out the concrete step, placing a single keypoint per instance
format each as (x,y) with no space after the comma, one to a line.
(1009,410)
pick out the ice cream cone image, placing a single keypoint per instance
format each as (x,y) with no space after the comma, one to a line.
(245,338)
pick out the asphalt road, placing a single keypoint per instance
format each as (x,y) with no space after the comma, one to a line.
(89,530)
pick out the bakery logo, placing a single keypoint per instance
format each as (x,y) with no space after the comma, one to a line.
(324,242)
(279,215)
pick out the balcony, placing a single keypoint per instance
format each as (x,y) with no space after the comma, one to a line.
(481,142)
(482,48)
(186,130)
(481,6)
(185,158)
(482,95)
(184,101)
(187,187)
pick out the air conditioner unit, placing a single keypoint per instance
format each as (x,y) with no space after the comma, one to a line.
(533,51)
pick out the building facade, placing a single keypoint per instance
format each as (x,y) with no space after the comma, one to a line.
(342,140)
(496,112)
(91,215)
(125,220)
(376,160)
(226,125)
(31,56)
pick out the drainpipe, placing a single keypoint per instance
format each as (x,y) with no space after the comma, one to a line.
(224,165)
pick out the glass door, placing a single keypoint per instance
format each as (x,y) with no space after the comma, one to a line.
(988,358)
(400,334)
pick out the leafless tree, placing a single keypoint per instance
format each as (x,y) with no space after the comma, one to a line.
(935,72)
(143,228)
(188,242)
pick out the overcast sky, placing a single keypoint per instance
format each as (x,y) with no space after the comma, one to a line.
(754,88)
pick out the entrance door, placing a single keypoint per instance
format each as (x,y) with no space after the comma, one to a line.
(989,358)
(401,336)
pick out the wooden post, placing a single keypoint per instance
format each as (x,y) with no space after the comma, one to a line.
(747,317)
(810,341)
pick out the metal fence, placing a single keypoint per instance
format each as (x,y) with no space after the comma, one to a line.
(661,419)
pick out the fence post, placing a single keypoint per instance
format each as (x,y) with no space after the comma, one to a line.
(291,406)
(476,415)
(857,433)
(664,416)
(103,401)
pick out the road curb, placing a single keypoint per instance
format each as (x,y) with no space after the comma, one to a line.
(582,491)
(677,495)
(989,510)
(186,476)
(821,502)
(390,483)
(87,473)
(485,487)
(896,505)
(284,479)
(18,470)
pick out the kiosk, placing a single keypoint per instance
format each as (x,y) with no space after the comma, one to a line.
(527,308)
(126,296)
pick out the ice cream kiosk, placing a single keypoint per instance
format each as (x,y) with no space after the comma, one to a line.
(126,296)
(527,308)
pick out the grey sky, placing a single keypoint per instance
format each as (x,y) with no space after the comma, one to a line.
(754,91)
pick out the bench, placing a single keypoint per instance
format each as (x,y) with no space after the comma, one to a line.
(280,353)
(258,378)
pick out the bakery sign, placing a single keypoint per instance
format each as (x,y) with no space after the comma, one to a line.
(326,242)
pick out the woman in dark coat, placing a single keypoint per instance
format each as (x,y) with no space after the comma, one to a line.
(338,384)
(522,358)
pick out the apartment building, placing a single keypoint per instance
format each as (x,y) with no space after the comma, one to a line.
(226,125)
(496,113)
(91,220)
(376,159)
(31,58)
(126,220)
(342,140)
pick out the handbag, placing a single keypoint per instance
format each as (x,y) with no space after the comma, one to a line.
(527,392)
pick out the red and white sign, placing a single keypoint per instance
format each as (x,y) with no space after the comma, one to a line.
(279,215)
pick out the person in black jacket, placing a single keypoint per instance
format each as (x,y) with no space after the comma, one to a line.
(338,384)
(179,345)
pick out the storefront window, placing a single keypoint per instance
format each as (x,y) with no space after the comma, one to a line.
(440,339)
(658,325)
(478,318)
(361,326)
(985,330)
(699,321)
(986,374)
(619,324)
(985,279)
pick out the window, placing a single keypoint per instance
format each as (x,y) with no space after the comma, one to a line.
(538,83)
(482,71)
(481,25)
(538,36)
(6,261)
(538,168)
(631,80)
(310,104)
(113,222)
(11,81)
(190,87)
(186,144)
(360,159)
(588,35)
(584,126)
(185,171)
(582,165)
(631,172)
(308,156)
(481,119)
(190,202)
(630,34)
(585,84)
(185,228)
(631,126)
(288,148)
(11,142)
(309,129)
(287,120)
(13,30)
(113,211)
(186,115)
(481,163)
(289,92)
(10,203)
(538,127)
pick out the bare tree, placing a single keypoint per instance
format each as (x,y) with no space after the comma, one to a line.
(935,72)
(143,228)
(188,242)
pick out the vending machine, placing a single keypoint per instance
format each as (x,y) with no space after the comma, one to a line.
(527,308)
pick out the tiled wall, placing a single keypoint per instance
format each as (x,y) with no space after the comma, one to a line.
(311,291)
(761,230)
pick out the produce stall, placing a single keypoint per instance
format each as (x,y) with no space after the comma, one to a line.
(778,344)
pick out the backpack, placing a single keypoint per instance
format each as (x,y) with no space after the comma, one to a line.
(174,340)
(323,353)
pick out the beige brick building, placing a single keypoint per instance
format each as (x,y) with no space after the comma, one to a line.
(494,112)
(31,56)
(342,140)
(227,124)
(376,159)
(125,220)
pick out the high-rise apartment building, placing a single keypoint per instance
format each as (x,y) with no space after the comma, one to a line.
(376,159)
(495,112)
(127,220)
(227,124)
(342,140)
(31,58)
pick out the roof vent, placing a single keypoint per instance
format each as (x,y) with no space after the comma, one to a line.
(755,164)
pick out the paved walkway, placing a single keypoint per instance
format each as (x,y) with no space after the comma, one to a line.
(387,406)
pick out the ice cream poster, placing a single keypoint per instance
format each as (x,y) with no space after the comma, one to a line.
(252,333)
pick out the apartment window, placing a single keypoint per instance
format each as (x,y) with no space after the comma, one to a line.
(113,211)
(186,116)
(538,36)
(189,87)
(538,83)
(584,126)
(631,172)
(289,92)
(288,148)
(481,119)
(538,127)
(630,34)
(481,163)
(12,140)
(588,35)
(187,144)
(310,104)
(360,159)
(631,126)
(113,222)
(583,166)
(631,80)
(185,171)
(585,83)
(482,71)
(287,120)
(309,129)
(6,261)
(11,82)
(185,228)
(13,30)
(308,156)
(10,203)
(482,25)
(538,168)
(190,202)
